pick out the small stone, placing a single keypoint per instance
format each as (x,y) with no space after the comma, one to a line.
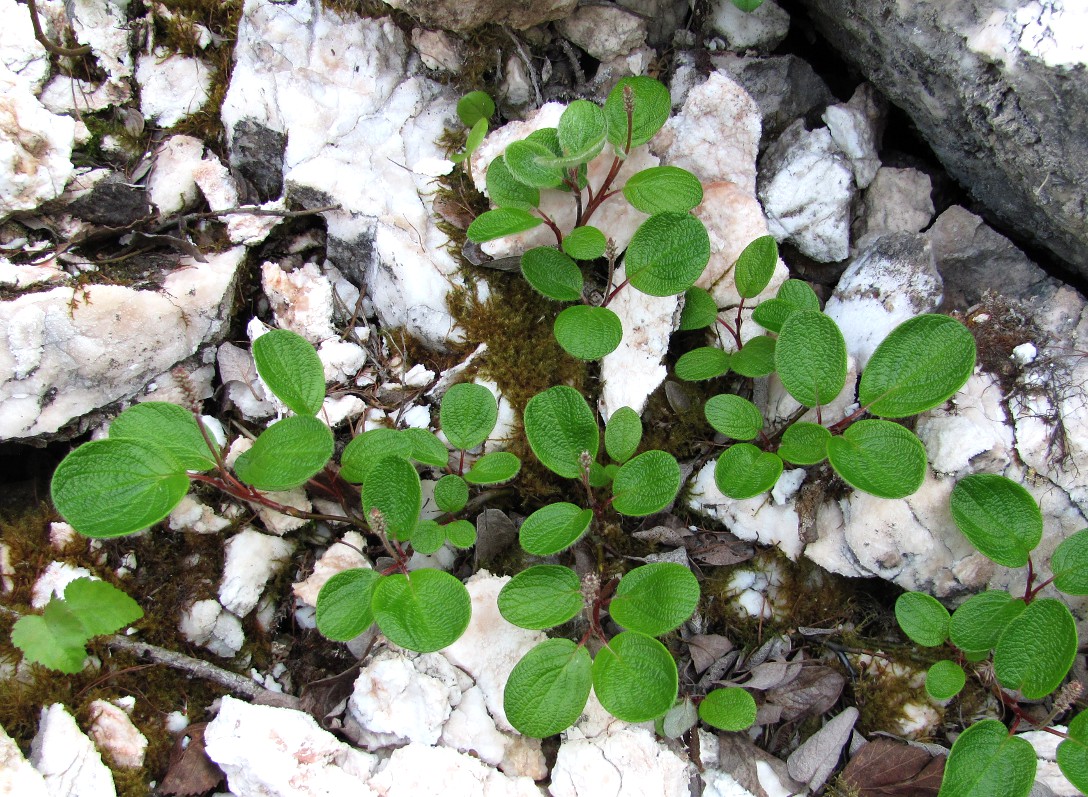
(301,300)
(762,29)
(193,515)
(785,88)
(53,581)
(207,623)
(417,769)
(170,185)
(897,200)
(1024,354)
(604,31)
(67,759)
(279,523)
(172,86)
(626,760)
(114,733)
(17,777)
(341,359)
(61,535)
(856,128)
(437,49)
(337,558)
(251,560)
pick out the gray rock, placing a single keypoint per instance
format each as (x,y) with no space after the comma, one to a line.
(856,128)
(991,94)
(112,202)
(256,155)
(897,200)
(604,32)
(784,87)
(762,29)
(663,18)
(462,15)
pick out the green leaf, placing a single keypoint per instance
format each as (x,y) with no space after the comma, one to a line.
(729,709)
(393,488)
(367,449)
(343,604)
(980,621)
(651,107)
(461,534)
(705,362)
(804,443)
(588,333)
(476,136)
(986,761)
(655,598)
(799,294)
(602,476)
(584,243)
(743,471)
(450,493)
(667,253)
(922,618)
(423,611)
(286,454)
(755,358)
(100,606)
(474,106)
(552,273)
(700,309)
(810,358)
(168,426)
(747,6)
(646,484)
(998,516)
(582,129)
(622,434)
(468,414)
(428,536)
(527,161)
(560,426)
(1073,752)
(1069,564)
(921,363)
(541,597)
(662,189)
(792,296)
(634,677)
(507,192)
(733,416)
(426,447)
(113,487)
(879,457)
(494,468)
(1037,649)
(548,688)
(755,266)
(945,679)
(498,223)
(554,528)
(55,640)
(290,367)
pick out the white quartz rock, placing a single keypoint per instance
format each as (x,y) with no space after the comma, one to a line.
(762,29)
(339,556)
(438,49)
(172,86)
(171,186)
(897,200)
(301,300)
(626,761)
(975,426)
(1048,772)
(265,750)
(103,24)
(53,581)
(219,188)
(113,732)
(418,769)
(67,759)
(279,523)
(20,52)
(251,560)
(25,275)
(207,623)
(855,129)
(194,515)
(17,777)
(604,31)
(341,359)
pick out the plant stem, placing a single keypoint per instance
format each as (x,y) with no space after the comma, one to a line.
(734,332)
(43,40)
(612,295)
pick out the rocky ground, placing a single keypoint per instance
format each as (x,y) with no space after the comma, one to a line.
(206,171)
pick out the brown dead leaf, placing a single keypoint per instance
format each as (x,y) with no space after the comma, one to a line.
(706,649)
(812,693)
(884,768)
(190,770)
(718,552)
(322,699)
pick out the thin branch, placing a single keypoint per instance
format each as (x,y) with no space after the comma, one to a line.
(43,40)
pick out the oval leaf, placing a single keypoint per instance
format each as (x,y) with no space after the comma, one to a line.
(667,253)
(1073,752)
(507,192)
(494,468)
(650,107)
(582,131)
(998,516)
(554,528)
(755,266)
(980,621)
(655,598)
(810,358)
(367,449)
(1037,649)
(729,709)
(1069,564)
(743,471)
(552,273)
(393,489)
(541,597)
(588,333)
(986,761)
(426,447)
(922,618)
(634,677)
(733,416)
(168,426)
(474,106)
(945,679)
(497,223)
(804,443)
(879,457)
(343,604)
(548,688)
(705,362)
(755,358)
(560,426)
(527,161)
(646,484)
(423,611)
(584,243)
(286,454)
(450,493)
(460,533)
(468,414)
(428,536)
(700,309)
(622,434)
(290,367)
(662,189)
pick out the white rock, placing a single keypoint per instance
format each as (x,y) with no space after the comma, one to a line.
(627,761)
(337,410)
(975,425)
(218,187)
(23,276)
(64,94)
(171,186)
(722,784)
(7,570)
(603,31)
(207,623)
(417,376)
(762,29)
(172,86)
(113,732)
(194,515)
(17,777)
(53,581)
(35,146)
(66,758)
(20,52)
(301,300)
(437,49)
(266,751)
(175,722)
(807,189)
(1048,772)
(418,769)
(341,359)
(419,417)
(470,729)
(251,560)
(103,24)
(516,87)
(279,523)
(1024,354)
(61,535)
(855,129)
(897,200)
(339,556)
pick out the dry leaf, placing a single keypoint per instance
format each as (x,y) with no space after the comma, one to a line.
(705,649)
(813,692)
(190,770)
(325,698)
(815,760)
(884,768)
(718,552)
(495,535)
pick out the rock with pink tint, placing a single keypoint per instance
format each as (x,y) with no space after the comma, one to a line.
(339,556)
(113,732)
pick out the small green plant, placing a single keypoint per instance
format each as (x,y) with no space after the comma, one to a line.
(58,637)
(474,109)
(1028,643)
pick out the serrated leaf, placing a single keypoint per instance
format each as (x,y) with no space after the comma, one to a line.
(705,362)
(979,622)
(622,434)
(507,192)
(986,761)
(1069,564)
(667,254)
(426,447)
(588,333)
(1073,752)
(755,266)
(560,426)
(423,611)
(367,449)
(650,110)
(655,598)
(552,273)
(804,443)
(541,597)
(581,131)
(755,358)
(494,468)
(945,679)
(733,416)
(343,604)
(474,106)
(55,640)
(548,688)
(468,414)
(1037,649)
(922,618)
(810,358)
(113,487)
(428,536)
(921,363)
(584,243)
(634,677)
(286,454)
(743,471)
(729,709)
(700,309)
(393,488)
(528,162)
(500,222)
(998,516)
(662,189)
(460,533)
(879,457)
(290,367)
(646,484)
(100,606)
(554,528)
(167,426)
(450,493)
